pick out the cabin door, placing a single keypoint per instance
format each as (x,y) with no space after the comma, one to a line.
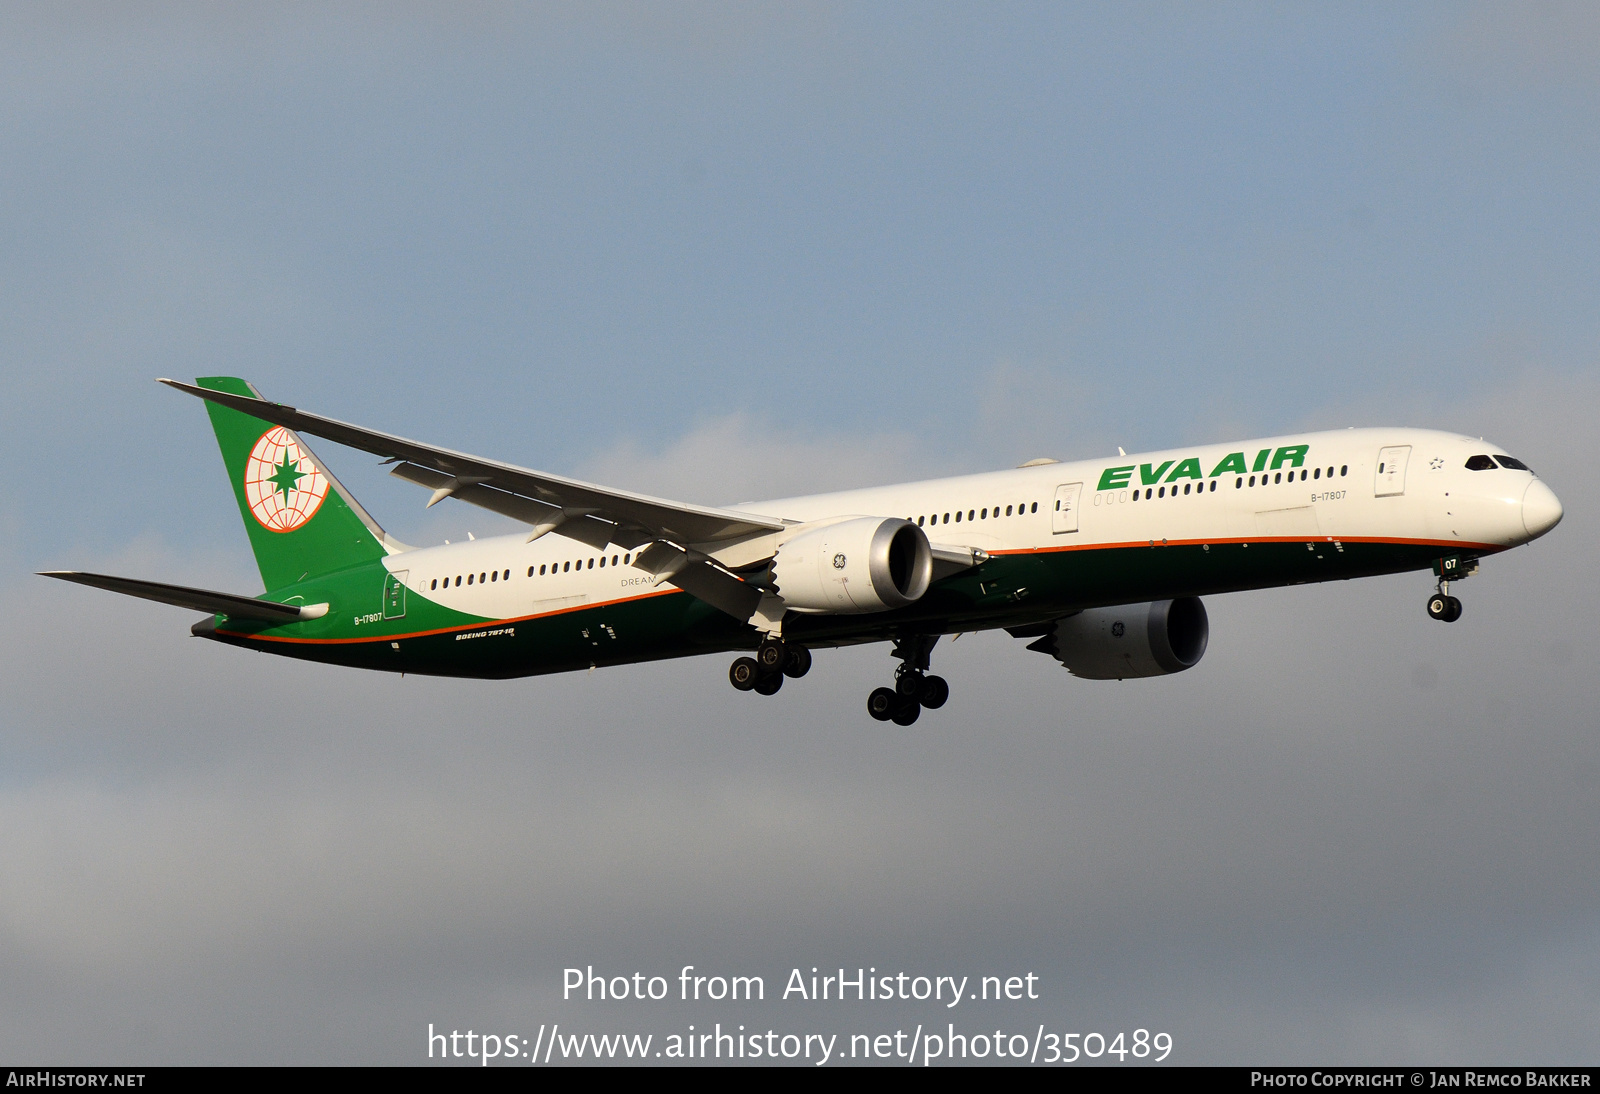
(394,595)
(1065,516)
(1391,479)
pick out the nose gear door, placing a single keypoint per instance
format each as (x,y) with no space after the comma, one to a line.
(1065,517)
(1391,479)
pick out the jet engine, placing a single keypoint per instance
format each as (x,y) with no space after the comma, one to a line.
(862,564)
(1130,640)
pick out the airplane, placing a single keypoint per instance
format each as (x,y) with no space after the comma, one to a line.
(1100,564)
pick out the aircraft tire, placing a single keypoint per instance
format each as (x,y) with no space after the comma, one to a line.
(935,692)
(1439,606)
(770,655)
(908,685)
(1452,610)
(881,704)
(769,684)
(743,673)
(906,713)
(797,663)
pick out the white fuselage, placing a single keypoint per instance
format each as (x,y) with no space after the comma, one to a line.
(1315,486)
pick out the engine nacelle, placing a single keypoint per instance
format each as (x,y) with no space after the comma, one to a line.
(1132,640)
(863,564)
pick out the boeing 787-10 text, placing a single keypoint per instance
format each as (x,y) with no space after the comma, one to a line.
(1100,564)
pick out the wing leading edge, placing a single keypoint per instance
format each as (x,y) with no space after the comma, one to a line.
(201,600)
(592,514)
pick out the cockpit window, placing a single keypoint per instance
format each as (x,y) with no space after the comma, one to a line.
(1479,463)
(1512,464)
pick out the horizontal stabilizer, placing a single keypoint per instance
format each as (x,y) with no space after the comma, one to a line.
(203,600)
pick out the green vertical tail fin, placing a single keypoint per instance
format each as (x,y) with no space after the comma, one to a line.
(301,521)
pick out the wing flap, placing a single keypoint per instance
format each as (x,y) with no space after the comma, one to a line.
(203,600)
(698,576)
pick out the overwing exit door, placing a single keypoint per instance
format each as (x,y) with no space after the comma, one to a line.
(1392,471)
(1065,516)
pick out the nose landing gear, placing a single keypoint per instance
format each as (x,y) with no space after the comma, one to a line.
(1441,605)
(764,673)
(913,688)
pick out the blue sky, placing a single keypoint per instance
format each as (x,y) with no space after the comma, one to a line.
(726,251)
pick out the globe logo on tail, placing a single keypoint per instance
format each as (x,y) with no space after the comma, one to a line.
(281,482)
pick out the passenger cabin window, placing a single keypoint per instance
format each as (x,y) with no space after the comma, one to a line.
(1035,508)
(435,584)
(1512,464)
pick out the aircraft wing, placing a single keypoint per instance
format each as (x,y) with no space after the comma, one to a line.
(596,515)
(695,547)
(202,600)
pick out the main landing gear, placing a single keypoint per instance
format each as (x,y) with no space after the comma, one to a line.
(764,673)
(913,687)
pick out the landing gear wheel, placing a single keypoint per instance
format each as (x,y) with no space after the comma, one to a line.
(770,655)
(934,692)
(1443,607)
(908,685)
(743,673)
(882,703)
(769,685)
(906,713)
(798,663)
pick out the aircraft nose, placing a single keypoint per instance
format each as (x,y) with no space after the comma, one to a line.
(1541,509)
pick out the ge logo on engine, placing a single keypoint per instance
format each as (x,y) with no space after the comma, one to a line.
(1117,629)
(838,562)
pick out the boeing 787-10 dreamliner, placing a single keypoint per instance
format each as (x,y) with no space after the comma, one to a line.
(1100,564)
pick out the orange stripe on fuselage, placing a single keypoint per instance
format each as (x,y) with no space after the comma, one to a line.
(1487,548)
